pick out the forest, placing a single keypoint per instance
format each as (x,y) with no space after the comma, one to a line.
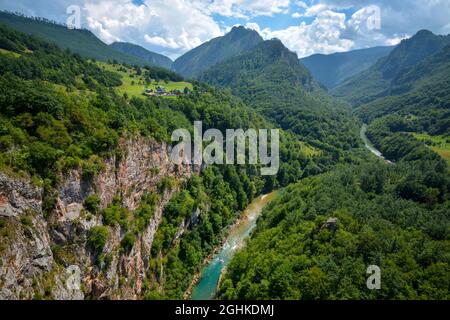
(339,208)
(61,111)
(392,216)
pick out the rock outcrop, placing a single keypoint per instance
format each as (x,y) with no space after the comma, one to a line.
(47,256)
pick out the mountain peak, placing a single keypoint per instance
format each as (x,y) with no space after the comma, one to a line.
(238,32)
(238,28)
(424,32)
(239,40)
(276,49)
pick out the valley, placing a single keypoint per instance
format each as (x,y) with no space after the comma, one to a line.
(206,288)
(86,178)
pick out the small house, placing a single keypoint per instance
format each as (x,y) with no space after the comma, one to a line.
(148,92)
(160,90)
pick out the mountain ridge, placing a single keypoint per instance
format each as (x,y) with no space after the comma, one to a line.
(140,52)
(271,80)
(332,69)
(80,41)
(376,82)
(238,40)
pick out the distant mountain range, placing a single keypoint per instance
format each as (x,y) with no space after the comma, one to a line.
(151,58)
(330,70)
(393,74)
(237,41)
(84,42)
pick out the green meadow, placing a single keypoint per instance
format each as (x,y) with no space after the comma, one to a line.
(439,144)
(134,85)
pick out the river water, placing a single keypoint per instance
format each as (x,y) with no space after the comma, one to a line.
(206,288)
(368,143)
(370,146)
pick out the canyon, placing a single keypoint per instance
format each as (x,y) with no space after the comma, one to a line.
(28,266)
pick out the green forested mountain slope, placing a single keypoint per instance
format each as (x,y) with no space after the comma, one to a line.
(270,79)
(151,58)
(387,74)
(332,69)
(60,111)
(237,41)
(318,238)
(82,42)
(424,103)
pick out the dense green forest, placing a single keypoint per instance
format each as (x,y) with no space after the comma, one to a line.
(394,216)
(83,42)
(424,105)
(339,209)
(272,81)
(61,111)
(396,73)
(383,211)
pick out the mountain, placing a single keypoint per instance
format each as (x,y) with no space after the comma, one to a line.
(330,70)
(82,42)
(152,58)
(321,233)
(61,113)
(405,99)
(237,41)
(420,96)
(87,185)
(271,79)
(379,80)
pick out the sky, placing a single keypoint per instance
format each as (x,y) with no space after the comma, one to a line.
(173,27)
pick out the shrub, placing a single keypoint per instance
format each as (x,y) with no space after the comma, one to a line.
(26,221)
(166,183)
(42,156)
(92,203)
(98,237)
(92,167)
(127,242)
(115,214)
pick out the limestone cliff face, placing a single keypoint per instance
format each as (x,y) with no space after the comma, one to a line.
(44,256)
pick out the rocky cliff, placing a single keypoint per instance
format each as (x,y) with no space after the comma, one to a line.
(46,254)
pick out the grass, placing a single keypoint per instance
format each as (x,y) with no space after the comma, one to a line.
(308,150)
(439,144)
(134,85)
(9,53)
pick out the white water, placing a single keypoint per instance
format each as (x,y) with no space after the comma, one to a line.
(370,146)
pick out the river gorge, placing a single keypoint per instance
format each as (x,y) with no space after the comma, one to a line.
(206,287)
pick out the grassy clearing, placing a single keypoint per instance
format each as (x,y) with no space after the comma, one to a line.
(308,150)
(9,53)
(439,144)
(134,85)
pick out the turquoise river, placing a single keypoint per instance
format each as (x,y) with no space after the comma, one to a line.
(206,287)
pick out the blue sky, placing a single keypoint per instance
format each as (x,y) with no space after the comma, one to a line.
(172,27)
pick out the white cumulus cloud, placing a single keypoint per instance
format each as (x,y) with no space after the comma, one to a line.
(248,8)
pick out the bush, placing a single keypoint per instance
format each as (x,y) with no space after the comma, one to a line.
(127,242)
(116,214)
(26,221)
(42,156)
(92,203)
(166,183)
(92,167)
(98,237)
